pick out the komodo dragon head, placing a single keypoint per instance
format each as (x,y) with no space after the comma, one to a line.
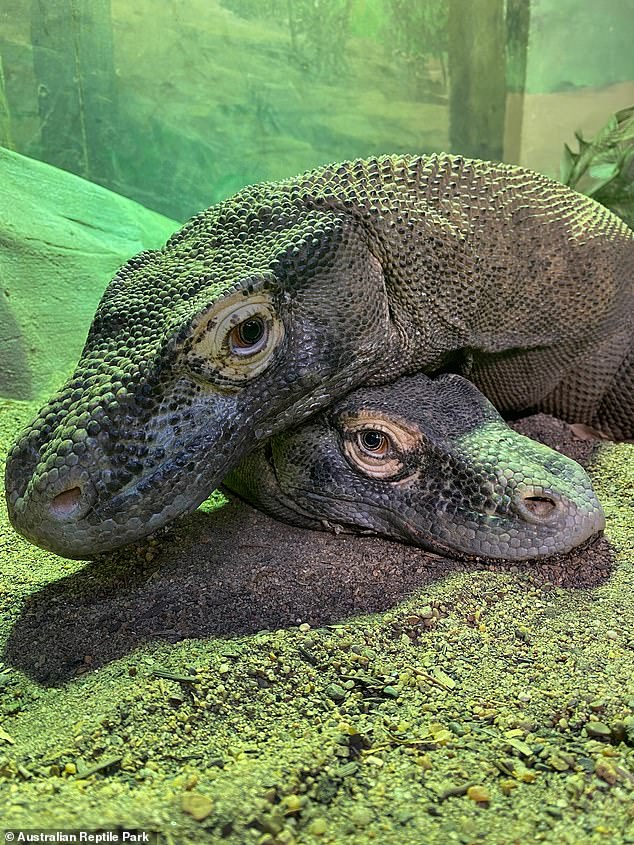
(427,462)
(196,352)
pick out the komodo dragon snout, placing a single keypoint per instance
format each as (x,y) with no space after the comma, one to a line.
(428,462)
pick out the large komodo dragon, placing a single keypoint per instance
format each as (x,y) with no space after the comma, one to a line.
(420,461)
(278,301)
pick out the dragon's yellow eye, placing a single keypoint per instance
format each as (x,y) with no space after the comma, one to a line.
(248,337)
(377,444)
(374,442)
(236,340)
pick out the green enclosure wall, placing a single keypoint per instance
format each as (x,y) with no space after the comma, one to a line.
(178,104)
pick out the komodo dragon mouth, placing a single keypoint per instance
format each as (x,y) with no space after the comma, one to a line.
(277,302)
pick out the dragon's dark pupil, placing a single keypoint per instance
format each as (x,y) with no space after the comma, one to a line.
(251,331)
(372,440)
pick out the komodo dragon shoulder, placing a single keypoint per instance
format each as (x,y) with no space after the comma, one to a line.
(428,462)
(280,300)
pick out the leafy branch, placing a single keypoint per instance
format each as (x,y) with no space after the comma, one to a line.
(604,167)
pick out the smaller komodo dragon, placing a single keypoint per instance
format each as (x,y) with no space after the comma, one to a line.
(428,462)
(279,301)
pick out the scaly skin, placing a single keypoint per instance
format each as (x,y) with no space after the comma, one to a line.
(356,273)
(447,474)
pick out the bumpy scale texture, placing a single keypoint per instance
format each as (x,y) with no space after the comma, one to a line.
(463,483)
(369,269)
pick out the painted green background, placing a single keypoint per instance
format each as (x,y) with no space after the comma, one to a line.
(80,234)
(178,105)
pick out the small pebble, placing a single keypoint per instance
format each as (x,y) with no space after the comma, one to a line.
(196,805)
(318,827)
(292,804)
(599,730)
(606,771)
(361,817)
(335,692)
(479,793)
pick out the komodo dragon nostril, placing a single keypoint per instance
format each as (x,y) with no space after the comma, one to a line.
(537,507)
(66,502)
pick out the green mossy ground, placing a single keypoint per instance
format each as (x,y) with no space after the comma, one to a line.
(490,706)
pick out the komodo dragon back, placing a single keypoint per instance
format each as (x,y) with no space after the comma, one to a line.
(278,301)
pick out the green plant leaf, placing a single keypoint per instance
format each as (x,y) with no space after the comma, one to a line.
(604,167)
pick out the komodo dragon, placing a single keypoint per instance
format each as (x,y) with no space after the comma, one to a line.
(276,302)
(419,461)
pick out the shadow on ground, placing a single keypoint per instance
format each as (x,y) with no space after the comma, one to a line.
(235,571)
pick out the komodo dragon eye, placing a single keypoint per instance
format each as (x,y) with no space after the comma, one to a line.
(236,340)
(374,441)
(248,336)
(378,446)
